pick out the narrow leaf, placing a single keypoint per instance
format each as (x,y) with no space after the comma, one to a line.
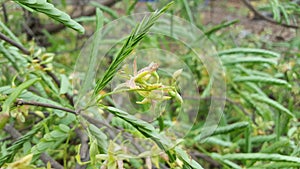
(13,96)
(228,60)
(137,34)
(65,84)
(44,7)
(231,128)
(187,159)
(261,157)
(261,79)
(272,103)
(249,51)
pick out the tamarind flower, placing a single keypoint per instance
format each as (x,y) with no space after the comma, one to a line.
(147,84)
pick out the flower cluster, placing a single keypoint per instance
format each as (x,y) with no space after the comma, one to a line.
(147,84)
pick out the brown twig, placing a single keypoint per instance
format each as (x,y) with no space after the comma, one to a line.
(46,105)
(84,149)
(44,157)
(4,12)
(212,162)
(10,41)
(250,7)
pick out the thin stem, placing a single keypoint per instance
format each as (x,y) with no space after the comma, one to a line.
(4,12)
(32,103)
(250,7)
(10,41)
(58,83)
(129,90)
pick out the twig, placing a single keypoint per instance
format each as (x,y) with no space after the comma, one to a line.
(249,6)
(4,12)
(214,164)
(32,103)
(84,149)
(5,139)
(10,41)
(44,157)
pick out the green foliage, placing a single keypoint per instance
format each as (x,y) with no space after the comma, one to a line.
(259,79)
(44,7)
(261,157)
(258,129)
(260,52)
(99,137)
(13,149)
(52,139)
(134,38)
(273,104)
(13,96)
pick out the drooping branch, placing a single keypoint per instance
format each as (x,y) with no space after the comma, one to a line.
(250,7)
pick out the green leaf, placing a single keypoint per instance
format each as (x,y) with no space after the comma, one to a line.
(226,162)
(10,33)
(44,7)
(131,7)
(275,146)
(247,98)
(229,60)
(276,165)
(52,139)
(28,96)
(145,128)
(227,129)
(93,151)
(100,137)
(260,79)
(258,139)
(134,38)
(6,53)
(188,11)
(65,84)
(106,9)
(99,19)
(64,128)
(118,122)
(249,51)
(272,103)
(220,26)
(13,96)
(217,141)
(261,157)
(17,145)
(187,159)
(90,74)
(231,127)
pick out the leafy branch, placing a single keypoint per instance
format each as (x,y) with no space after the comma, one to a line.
(137,34)
(44,7)
(249,6)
